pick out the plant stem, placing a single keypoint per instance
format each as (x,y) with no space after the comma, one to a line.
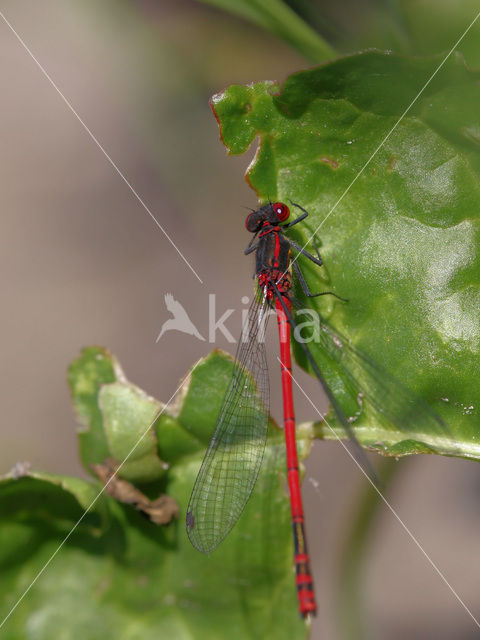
(350,607)
(277,17)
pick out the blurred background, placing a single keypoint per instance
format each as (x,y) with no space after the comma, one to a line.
(82,262)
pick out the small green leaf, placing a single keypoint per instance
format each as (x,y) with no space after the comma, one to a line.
(128,415)
(86,374)
(116,417)
(396,203)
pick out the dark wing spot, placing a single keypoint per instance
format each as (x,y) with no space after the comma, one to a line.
(190,520)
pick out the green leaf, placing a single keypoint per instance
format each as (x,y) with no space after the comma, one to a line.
(120,575)
(451,20)
(397,207)
(115,417)
(86,375)
(127,415)
(278,18)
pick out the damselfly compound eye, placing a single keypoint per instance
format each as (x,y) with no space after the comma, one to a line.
(281,210)
(252,222)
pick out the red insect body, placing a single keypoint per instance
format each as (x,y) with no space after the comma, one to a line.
(306,596)
(233,458)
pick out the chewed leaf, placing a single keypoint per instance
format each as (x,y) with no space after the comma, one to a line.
(394,201)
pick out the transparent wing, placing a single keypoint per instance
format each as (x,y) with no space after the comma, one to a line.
(401,407)
(231,464)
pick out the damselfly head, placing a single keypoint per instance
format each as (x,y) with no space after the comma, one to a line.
(271,213)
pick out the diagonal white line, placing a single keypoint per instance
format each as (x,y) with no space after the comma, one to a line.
(389,133)
(114,475)
(99,145)
(387,503)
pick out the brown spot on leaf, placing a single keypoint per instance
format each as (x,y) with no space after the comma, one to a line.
(392,162)
(162,510)
(284,108)
(332,163)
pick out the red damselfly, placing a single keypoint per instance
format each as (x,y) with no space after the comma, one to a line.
(234,456)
